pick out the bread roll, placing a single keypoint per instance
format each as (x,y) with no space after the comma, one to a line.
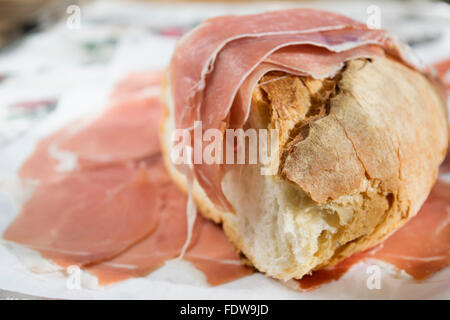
(348,179)
(359,154)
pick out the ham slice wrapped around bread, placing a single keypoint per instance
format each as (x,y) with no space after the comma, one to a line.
(361,128)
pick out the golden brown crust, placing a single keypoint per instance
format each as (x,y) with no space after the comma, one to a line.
(324,164)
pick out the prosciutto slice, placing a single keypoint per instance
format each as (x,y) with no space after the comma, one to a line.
(86,217)
(165,243)
(137,85)
(443,70)
(93,213)
(41,165)
(215,68)
(209,249)
(112,136)
(214,255)
(116,219)
(134,111)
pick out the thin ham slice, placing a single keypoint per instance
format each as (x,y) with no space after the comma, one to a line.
(443,70)
(41,165)
(209,249)
(134,110)
(90,215)
(421,247)
(86,217)
(214,255)
(195,55)
(322,276)
(112,137)
(137,85)
(165,243)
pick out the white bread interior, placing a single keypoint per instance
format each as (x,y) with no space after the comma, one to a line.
(360,171)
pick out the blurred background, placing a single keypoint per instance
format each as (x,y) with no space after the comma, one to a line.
(49,48)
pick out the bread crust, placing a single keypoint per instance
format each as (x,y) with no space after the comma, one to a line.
(383,138)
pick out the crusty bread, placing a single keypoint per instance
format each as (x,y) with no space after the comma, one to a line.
(359,155)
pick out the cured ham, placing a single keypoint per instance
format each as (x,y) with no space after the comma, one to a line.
(443,70)
(216,66)
(137,85)
(116,219)
(214,255)
(209,249)
(112,137)
(421,247)
(165,243)
(322,276)
(41,165)
(86,217)
(134,110)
